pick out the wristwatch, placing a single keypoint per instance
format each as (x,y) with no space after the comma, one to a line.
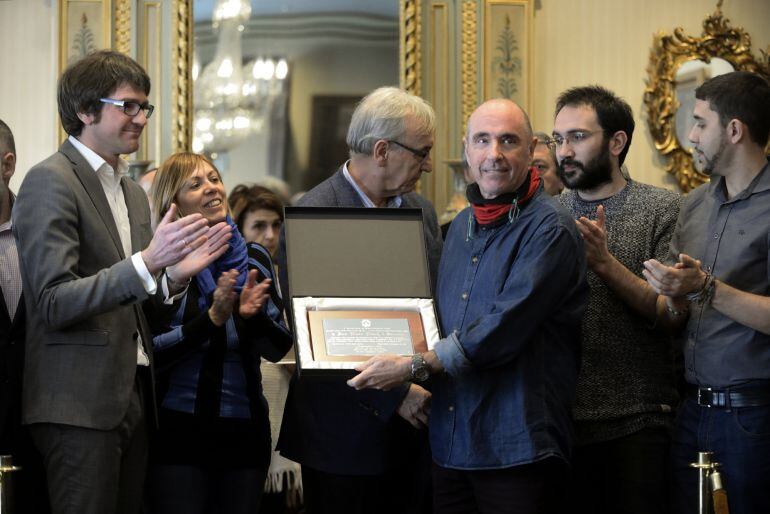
(420,372)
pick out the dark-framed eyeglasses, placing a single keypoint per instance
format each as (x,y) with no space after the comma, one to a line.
(574,138)
(130,108)
(421,154)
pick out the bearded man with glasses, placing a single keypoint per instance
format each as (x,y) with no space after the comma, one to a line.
(626,388)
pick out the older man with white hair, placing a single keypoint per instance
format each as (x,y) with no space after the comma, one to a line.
(358,453)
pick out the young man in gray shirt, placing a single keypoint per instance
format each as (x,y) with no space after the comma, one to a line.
(715,285)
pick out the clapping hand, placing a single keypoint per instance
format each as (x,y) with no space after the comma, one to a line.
(174,239)
(224,298)
(214,245)
(253,295)
(686,276)
(594,234)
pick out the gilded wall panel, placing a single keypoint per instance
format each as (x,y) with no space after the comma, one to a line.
(506,60)
(149,55)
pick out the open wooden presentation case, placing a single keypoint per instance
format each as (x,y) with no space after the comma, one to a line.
(359,285)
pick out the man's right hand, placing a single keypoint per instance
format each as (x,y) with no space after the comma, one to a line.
(684,277)
(415,408)
(174,239)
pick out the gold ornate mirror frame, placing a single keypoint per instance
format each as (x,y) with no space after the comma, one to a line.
(181,94)
(668,53)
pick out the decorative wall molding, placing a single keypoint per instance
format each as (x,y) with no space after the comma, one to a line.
(409,44)
(181,78)
(150,20)
(469,59)
(506,54)
(437,86)
(122,41)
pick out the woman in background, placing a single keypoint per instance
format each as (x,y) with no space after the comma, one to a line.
(212,451)
(259,214)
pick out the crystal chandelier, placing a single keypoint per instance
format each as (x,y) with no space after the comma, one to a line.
(232,100)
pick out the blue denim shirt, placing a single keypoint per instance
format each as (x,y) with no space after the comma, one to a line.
(511,299)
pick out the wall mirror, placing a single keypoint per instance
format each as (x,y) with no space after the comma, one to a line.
(276,81)
(678,65)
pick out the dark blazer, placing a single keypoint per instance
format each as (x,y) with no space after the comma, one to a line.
(328,425)
(83,295)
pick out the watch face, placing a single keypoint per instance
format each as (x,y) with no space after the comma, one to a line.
(420,371)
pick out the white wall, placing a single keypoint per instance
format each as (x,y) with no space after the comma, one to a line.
(28,72)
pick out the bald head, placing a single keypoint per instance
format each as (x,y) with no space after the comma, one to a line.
(502,106)
(499,146)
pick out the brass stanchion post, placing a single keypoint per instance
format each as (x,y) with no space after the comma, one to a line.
(719,494)
(704,467)
(710,485)
(6,490)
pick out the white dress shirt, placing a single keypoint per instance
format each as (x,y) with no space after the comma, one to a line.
(394,201)
(110,180)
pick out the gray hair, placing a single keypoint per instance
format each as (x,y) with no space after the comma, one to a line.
(7,143)
(382,115)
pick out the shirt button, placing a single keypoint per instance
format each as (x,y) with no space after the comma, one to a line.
(475,259)
(451,408)
(716,236)
(464,296)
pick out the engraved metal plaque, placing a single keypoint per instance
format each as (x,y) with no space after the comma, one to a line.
(358,335)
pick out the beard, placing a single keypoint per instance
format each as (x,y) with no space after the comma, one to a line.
(709,164)
(590,175)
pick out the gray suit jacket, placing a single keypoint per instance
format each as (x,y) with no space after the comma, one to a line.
(82,294)
(375,440)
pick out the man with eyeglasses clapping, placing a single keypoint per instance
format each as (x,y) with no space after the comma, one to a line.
(626,388)
(95,277)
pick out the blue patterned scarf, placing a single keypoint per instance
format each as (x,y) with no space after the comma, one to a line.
(236,257)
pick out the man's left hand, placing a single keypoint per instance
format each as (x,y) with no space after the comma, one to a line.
(382,372)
